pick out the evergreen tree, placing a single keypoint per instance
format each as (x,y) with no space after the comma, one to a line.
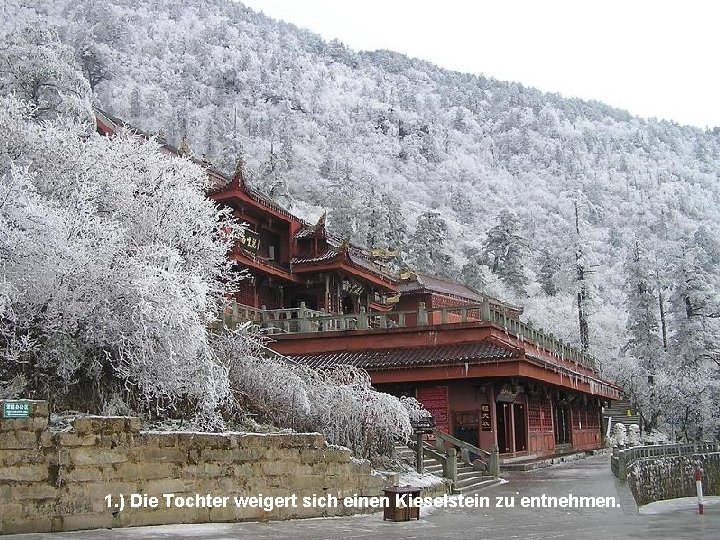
(505,251)
(462,205)
(429,250)
(549,267)
(396,234)
(696,302)
(385,224)
(345,201)
(376,218)
(644,345)
(473,271)
(695,305)
(642,325)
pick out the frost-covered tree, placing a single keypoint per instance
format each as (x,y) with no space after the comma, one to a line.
(434,140)
(473,272)
(36,67)
(582,282)
(645,343)
(463,205)
(344,198)
(396,233)
(112,265)
(696,302)
(689,401)
(693,369)
(384,222)
(95,58)
(429,246)
(505,251)
(376,217)
(338,402)
(549,268)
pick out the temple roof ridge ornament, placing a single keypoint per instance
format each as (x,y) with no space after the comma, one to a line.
(239,175)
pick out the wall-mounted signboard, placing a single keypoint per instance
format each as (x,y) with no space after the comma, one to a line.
(250,241)
(16,409)
(485,421)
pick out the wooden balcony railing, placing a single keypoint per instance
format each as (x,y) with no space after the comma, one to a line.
(304,320)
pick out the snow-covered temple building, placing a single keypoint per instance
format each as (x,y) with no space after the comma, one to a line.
(488,378)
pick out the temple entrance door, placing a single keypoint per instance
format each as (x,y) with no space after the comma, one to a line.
(520,427)
(561,416)
(504,431)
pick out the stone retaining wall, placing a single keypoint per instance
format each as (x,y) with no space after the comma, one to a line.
(670,477)
(80,479)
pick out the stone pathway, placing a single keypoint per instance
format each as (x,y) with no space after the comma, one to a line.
(583,478)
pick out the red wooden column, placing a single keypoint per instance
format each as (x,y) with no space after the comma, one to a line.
(511,427)
(552,422)
(493,413)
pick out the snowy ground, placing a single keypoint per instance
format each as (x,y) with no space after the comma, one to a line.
(587,477)
(656,437)
(413,478)
(683,504)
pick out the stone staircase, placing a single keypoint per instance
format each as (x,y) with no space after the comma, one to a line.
(467,478)
(618,412)
(430,464)
(470,479)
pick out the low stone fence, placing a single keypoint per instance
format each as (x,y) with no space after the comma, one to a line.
(655,473)
(106,473)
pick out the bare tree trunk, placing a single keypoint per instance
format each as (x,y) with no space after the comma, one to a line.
(663,325)
(582,294)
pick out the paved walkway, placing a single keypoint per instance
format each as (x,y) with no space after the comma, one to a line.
(583,478)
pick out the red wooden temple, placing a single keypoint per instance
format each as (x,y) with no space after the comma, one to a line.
(488,378)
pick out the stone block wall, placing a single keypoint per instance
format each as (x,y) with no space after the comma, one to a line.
(671,477)
(88,477)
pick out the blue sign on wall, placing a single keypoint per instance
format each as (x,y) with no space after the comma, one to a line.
(16,409)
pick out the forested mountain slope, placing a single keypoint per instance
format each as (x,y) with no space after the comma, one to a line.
(472,178)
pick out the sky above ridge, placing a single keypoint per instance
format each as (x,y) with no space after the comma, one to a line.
(652,58)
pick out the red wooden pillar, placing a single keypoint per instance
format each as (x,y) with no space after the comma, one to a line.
(553,424)
(511,427)
(493,415)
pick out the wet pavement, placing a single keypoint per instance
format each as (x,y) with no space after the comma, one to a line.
(580,479)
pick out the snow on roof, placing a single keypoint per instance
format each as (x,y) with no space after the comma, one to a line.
(329,255)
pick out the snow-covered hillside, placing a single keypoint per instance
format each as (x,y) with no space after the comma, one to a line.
(472,178)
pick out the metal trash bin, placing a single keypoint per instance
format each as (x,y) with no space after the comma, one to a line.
(399,507)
